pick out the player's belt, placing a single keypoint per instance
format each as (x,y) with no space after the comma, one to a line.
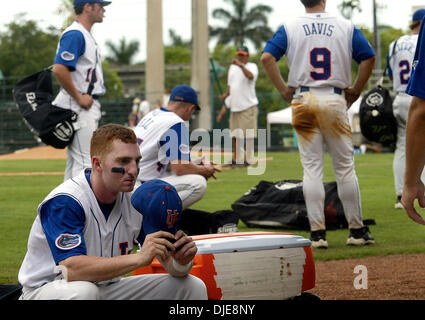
(306,89)
(95,96)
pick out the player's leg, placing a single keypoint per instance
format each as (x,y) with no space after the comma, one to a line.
(79,150)
(310,146)
(400,110)
(341,152)
(63,290)
(190,187)
(155,287)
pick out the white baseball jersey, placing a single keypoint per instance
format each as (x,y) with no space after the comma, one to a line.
(162,136)
(308,45)
(242,90)
(81,57)
(98,235)
(400,62)
(319,49)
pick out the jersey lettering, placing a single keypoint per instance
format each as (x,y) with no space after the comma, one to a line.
(318,29)
(123,248)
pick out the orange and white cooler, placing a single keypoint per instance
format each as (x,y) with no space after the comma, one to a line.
(251,265)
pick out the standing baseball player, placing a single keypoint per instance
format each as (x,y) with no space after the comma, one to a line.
(164,145)
(319,48)
(78,69)
(82,238)
(399,65)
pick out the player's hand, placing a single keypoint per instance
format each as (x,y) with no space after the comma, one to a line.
(187,248)
(85,101)
(410,193)
(155,245)
(210,171)
(237,62)
(351,95)
(287,94)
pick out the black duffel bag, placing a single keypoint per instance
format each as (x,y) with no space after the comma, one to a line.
(33,96)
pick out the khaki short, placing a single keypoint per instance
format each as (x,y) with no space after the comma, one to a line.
(239,122)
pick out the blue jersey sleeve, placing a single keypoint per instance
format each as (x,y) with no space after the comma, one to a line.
(362,50)
(63,222)
(176,142)
(71,46)
(278,44)
(415,86)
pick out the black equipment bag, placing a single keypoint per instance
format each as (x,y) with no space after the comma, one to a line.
(377,121)
(282,205)
(33,97)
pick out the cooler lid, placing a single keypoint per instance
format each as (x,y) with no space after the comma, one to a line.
(249,242)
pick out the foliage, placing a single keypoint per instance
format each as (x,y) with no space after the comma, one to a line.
(123,52)
(36,48)
(243,24)
(348,7)
(113,83)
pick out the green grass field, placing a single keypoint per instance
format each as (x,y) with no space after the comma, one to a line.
(394,232)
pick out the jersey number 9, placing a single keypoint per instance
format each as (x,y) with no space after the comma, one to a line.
(320,58)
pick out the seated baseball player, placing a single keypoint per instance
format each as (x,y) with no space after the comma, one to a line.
(163,140)
(81,241)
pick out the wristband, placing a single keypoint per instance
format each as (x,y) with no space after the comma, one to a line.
(182,267)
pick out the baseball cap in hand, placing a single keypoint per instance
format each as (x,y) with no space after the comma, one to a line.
(185,93)
(160,205)
(242,50)
(80,3)
(418,15)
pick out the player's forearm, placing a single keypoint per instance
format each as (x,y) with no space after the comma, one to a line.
(272,70)
(364,72)
(246,72)
(187,167)
(64,78)
(90,268)
(415,144)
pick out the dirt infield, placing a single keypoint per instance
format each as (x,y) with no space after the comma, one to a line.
(394,277)
(38,153)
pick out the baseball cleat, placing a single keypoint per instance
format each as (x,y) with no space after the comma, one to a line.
(318,239)
(398,204)
(360,237)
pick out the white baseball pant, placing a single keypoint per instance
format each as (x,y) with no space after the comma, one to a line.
(78,152)
(401,107)
(320,119)
(142,287)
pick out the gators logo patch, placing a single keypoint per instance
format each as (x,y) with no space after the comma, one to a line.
(68,241)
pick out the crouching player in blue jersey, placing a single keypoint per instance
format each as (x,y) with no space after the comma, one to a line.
(80,243)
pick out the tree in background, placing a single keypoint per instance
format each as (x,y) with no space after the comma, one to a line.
(122,53)
(242,24)
(348,7)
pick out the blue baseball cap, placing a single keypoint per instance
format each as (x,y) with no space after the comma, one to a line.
(185,93)
(80,3)
(418,15)
(160,205)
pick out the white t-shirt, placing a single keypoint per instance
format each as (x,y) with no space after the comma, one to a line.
(242,90)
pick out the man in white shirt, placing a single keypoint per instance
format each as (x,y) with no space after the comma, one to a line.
(242,101)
